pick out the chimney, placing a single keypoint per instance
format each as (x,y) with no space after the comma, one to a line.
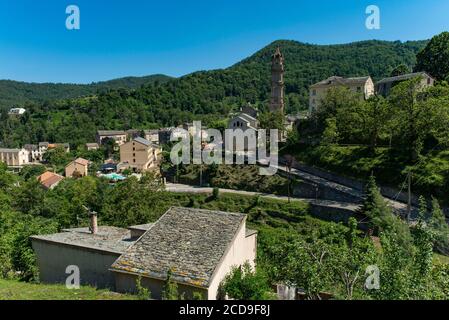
(93,222)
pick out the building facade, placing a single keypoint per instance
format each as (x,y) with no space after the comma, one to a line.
(14,157)
(318,91)
(76,168)
(139,155)
(118,136)
(384,86)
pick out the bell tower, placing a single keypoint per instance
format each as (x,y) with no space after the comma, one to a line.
(277,82)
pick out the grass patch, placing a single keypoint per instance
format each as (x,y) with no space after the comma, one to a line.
(15,290)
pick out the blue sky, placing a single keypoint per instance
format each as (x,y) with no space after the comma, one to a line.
(141,37)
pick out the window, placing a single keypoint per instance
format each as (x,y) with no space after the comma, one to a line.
(134,154)
(429,81)
(359,89)
(314,92)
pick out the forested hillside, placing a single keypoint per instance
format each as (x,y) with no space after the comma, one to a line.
(206,95)
(15,93)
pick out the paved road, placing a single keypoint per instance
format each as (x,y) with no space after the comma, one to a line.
(182,188)
(396,205)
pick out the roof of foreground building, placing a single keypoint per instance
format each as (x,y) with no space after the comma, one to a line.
(189,242)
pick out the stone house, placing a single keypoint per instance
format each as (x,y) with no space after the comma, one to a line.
(317,92)
(152,136)
(119,136)
(384,86)
(80,165)
(92,146)
(200,247)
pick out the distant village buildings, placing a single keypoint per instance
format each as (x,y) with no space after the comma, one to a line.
(139,155)
(383,87)
(119,136)
(199,247)
(77,168)
(49,180)
(362,85)
(14,157)
(16,111)
(92,146)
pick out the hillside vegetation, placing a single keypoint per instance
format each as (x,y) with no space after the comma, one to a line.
(205,95)
(16,93)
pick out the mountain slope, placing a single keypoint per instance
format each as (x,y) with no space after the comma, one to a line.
(206,95)
(16,93)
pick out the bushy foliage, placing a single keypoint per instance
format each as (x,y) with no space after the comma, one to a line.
(434,58)
(245,283)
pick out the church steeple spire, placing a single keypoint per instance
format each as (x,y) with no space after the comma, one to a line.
(277,82)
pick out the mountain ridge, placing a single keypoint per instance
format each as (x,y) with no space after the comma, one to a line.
(208,96)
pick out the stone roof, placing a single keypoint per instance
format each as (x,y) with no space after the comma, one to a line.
(335,80)
(403,77)
(107,239)
(190,242)
(111,132)
(141,227)
(30,147)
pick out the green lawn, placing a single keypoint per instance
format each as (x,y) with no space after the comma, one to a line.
(15,290)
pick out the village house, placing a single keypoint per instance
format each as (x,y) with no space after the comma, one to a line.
(119,136)
(200,247)
(77,168)
(92,146)
(384,86)
(34,153)
(45,146)
(49,180)
(139,155)
(16,111)
(317,92)
(14,157)
(152,136)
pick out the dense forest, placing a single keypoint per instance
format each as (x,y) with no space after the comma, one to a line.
(16,94)
(204,95)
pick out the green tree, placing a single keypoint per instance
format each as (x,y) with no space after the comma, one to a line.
(381,216)
(170,291)
(330,134)
(244,283)
(400,70)
(434,58)
(439,228)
